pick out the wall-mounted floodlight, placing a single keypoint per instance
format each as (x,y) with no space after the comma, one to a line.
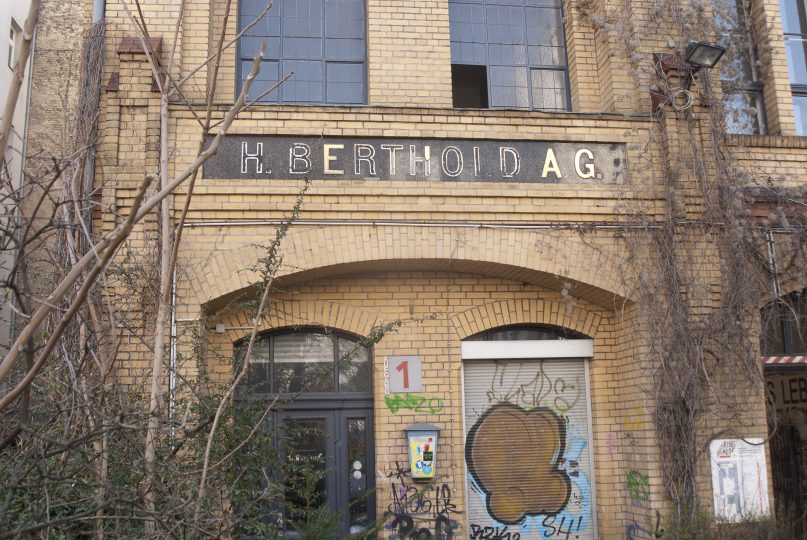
(703,55)
(698,55)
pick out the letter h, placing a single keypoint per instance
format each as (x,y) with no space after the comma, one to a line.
(246,157)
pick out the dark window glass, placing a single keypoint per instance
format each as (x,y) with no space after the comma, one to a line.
(469,86)
(512,333)
(305,467)
(515,48)
(745,113)
(353,367)
(321,41)
(357,472)
(259,371)
(305,361)
(785,325)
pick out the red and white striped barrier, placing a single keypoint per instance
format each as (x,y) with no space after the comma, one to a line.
(778,360)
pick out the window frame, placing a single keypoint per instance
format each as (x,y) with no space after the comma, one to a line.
(778,322)
(796,89)
(736,34)
(567,94)
(14,38)
(334,335)
(241,60)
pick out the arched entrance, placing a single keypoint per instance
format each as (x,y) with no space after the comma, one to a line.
(324,422)
(528,438)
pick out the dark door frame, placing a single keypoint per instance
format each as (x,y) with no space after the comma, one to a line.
(337,409)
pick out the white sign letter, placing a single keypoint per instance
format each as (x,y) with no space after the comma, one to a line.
(391,149)
(364,153)
(327,158)
(551,165)
(246,157)
(414,161)
(589,166)
(505,151)
(299,163)
(457,159)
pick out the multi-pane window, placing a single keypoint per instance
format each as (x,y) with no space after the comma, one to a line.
(14,38)
(508,54)
(321,41)
(785,325)
(794,23)
(306,361)
(739,73)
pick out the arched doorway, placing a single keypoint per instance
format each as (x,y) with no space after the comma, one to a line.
(324,421)
(528,439)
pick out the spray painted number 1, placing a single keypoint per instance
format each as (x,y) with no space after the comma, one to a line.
(404,367)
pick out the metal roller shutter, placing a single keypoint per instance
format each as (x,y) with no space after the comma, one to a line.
(527,449)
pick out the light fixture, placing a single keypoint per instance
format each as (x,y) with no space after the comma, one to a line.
(703,55)
(698,55)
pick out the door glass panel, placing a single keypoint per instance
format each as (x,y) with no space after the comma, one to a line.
(303,363)
(305,468)
(357,470)
(354,367)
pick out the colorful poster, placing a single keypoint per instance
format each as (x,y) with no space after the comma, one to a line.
(739,479)
(421,453)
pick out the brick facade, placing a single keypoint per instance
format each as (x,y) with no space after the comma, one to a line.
(449,260)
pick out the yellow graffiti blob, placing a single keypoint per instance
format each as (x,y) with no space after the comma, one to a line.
(514,456)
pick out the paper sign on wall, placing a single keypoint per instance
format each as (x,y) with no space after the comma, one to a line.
(739,479)
(421,454)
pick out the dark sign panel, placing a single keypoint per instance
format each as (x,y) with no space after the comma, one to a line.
(254,156)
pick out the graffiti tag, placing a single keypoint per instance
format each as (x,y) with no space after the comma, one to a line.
(478,532)
(551,522)
(638,486)
(536,391)
(412,505)
(399,472)
(414,403)
(635,531)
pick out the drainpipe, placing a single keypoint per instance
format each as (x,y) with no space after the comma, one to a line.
(98,9)
(772,263)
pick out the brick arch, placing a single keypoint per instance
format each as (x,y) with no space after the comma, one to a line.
(307,313)
(509,312)
(531,256)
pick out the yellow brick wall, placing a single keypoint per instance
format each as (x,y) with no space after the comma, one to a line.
(438,310)
(492,253)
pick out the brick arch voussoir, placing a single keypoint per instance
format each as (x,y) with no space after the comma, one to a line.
(321,247)
(511,312)
(296,313)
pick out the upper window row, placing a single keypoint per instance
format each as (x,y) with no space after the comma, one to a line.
(504,53)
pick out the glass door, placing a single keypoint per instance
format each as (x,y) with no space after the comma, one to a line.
(357,472)
(308,472)
(328,472)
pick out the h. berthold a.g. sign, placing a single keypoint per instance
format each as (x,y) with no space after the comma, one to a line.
(259,157)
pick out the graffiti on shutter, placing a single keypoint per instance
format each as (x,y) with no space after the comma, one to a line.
(527,449)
